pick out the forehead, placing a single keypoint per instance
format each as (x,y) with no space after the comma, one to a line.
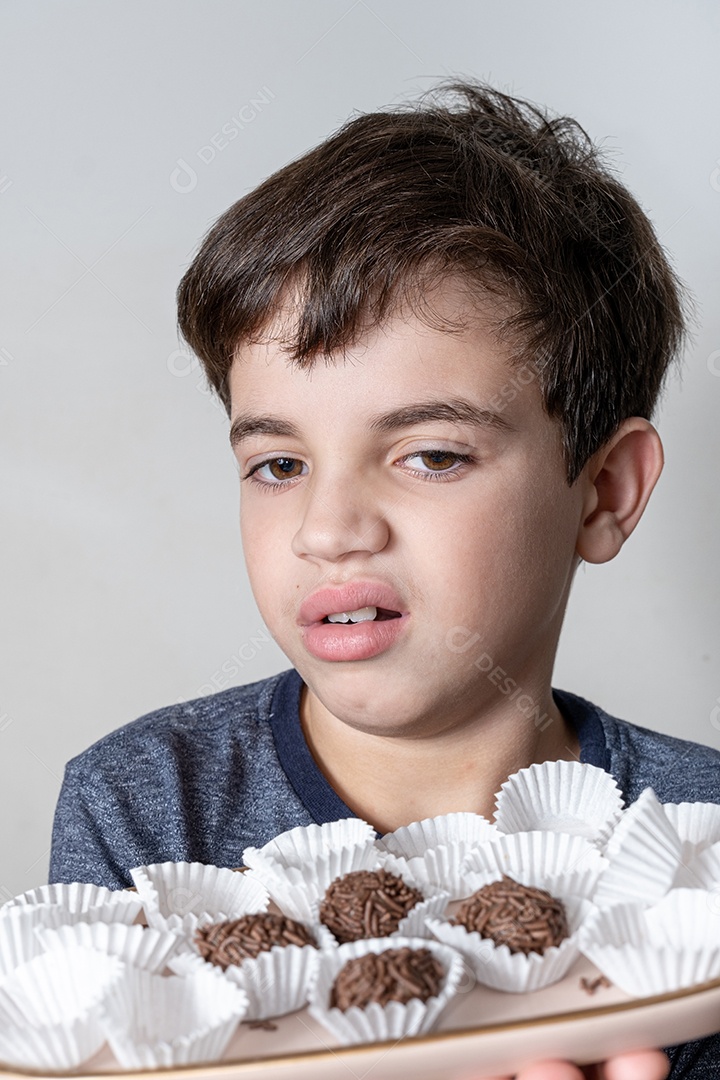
(448,333)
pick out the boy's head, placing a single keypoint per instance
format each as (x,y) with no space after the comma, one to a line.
(476,185)
(436,335)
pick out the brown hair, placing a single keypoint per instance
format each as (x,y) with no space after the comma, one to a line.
(468,180)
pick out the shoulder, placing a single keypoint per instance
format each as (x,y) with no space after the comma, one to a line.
(208,724)
(677,770)
(197,781)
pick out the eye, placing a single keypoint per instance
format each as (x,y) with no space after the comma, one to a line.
(280,470)
(441,464)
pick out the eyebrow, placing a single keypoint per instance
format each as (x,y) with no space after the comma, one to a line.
(456,411)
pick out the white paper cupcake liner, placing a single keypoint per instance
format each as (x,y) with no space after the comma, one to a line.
(169,1021)
(276,982)
(495,966)
(698,826)
(302,845)
(440,867)
(701,870)
(560,796)
(644,855)
(82,901)
(433,850)
(377,1023)
(684,919)
(697,823)
(295,891)
(297,866)
(413,840)
(647,951)
(49,1008)
(558,862)
(138,946)
(18,940)
(180,896)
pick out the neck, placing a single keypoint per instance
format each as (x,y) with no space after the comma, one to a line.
(390,781)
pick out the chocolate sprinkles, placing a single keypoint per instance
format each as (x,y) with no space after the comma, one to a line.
(393,975)
(366,904)
(526,919)
(233,941)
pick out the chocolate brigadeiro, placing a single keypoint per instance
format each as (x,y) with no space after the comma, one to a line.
(393,975)
(367,904)
(235,940)
(525,919)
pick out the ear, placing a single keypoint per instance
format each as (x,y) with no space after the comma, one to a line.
(619,480)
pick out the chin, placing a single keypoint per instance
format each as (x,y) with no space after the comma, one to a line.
(380,718)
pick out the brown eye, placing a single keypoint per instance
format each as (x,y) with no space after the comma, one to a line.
(284,468)
(438,460)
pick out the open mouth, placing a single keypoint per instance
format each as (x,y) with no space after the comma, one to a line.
(361,615)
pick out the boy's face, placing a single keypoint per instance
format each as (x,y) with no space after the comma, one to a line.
(464,531)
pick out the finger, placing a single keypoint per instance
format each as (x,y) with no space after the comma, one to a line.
(550,1070)
(542,1070)
(640,1065)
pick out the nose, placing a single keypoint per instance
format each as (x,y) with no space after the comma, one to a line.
(340,519)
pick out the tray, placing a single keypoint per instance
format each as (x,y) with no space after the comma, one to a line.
(482,1033)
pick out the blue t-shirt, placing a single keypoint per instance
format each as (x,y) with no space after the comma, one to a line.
(202,780)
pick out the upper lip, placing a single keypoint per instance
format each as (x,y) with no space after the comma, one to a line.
(348,597)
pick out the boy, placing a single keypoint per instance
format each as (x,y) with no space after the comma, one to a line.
(439,337)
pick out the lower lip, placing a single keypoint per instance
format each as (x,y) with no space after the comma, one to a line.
(352,641)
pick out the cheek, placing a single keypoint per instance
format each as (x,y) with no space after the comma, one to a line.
(261,549)
(514,552)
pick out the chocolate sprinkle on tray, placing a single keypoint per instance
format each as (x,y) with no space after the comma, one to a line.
(233,941)
(526,919)
(591,985)
(393,975)
(367,904)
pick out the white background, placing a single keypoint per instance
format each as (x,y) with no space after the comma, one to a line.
(123,586)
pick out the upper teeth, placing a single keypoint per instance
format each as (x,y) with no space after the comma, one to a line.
(363,614)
